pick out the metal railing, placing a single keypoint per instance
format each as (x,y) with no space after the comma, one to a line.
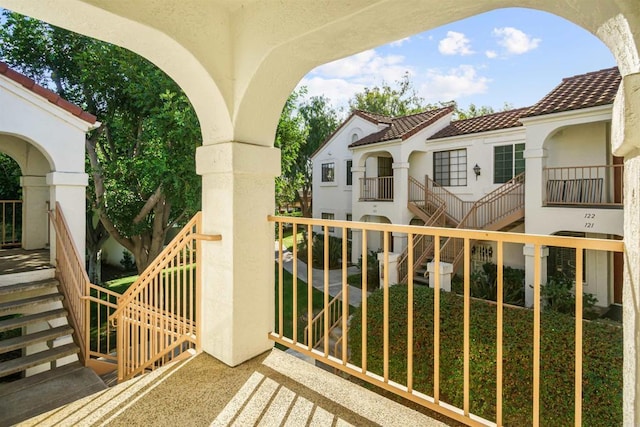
(584,185)
(456,207)
(10,223)
(158,317)
(88,305)
(405,375)
(314,331)
(380,188)
(499,208)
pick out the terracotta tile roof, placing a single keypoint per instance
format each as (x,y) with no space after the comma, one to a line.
(402,127)
(50,96)
(581,91)
(495,121)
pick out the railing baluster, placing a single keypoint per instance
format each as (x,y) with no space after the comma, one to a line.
(365,256)
(345,295)
(578,356)
(385,321)
(410,316)
(436,321)
(280,282)
(295,283)
(536,334)
(467,303)
(499,332)
(310,284)
(326,290)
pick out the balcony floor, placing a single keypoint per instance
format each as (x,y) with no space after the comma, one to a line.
(272,389)
(19,260)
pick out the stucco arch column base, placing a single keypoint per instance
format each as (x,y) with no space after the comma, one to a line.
(238,193)
(35,194)
(69,189)
(529,266)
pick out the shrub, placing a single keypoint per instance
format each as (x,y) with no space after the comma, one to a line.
(127,261)
(373,270)
(559,295)
(484,284)
(602,353)
(317,251)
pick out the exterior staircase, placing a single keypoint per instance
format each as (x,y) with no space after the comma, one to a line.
(34,332)
(438,207)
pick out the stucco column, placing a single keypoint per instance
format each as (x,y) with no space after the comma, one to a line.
(536,160)
(400,191)
(399,242)
(529,265)
(35,220)
(625,141)
(357,173)
(356,245)
(238,193)
(69,189)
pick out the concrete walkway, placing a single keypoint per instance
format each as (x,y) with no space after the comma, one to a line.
(335,277)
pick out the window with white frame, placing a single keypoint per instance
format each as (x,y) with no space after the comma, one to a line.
(450,167)
(328,172)
(330,216)
(349,230)
(349,173)
(508,161)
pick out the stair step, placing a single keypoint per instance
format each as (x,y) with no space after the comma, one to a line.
(13,307)
(29,339)
(35,359)
(29,286)
(18,322)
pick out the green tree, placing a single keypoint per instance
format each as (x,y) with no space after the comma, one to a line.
(392,101)
(320,120)
(291,134)
(142,158)
(9,178)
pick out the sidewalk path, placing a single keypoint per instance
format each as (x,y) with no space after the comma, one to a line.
(335,277)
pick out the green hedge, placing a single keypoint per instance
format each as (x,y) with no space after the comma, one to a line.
(602,368)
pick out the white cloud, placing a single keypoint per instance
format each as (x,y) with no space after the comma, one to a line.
(453,84)
(515,41)
(491,54)
(400,42)
(341,79)
(455,44)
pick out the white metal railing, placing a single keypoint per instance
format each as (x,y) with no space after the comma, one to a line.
(584,185)
(392,320)
(380,188)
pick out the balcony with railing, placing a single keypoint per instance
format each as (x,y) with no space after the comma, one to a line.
(376,189)
(595,186)
(479,362)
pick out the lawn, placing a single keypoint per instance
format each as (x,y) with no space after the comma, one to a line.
(602,352)
(317,301)
(287,237)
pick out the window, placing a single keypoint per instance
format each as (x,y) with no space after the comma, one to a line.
(561,262)
(349,173)
(330,216)
(328,172)
(508,161)
(349,230)
(354,138)
(450,167)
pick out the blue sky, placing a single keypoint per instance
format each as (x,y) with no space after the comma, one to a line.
(507,55)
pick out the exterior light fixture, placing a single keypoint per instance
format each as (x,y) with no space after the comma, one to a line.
(476,170)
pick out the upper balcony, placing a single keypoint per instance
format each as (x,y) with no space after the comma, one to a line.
(376,189)
(580,186)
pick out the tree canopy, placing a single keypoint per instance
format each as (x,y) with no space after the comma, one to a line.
(141,160)
(392,101)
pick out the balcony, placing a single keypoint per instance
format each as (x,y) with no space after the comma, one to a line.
(402,337)
(376,189)
(595,186)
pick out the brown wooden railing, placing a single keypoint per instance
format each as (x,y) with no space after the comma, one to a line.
(331,317)
(10,223)
(157,318)
(88,305)
(390,345)
(584,185)
(380,188)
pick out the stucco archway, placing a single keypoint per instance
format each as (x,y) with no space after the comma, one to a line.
(239,61)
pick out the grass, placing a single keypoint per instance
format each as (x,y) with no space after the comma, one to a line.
(287,237)
(120,285)
(317,303)
(602,352)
